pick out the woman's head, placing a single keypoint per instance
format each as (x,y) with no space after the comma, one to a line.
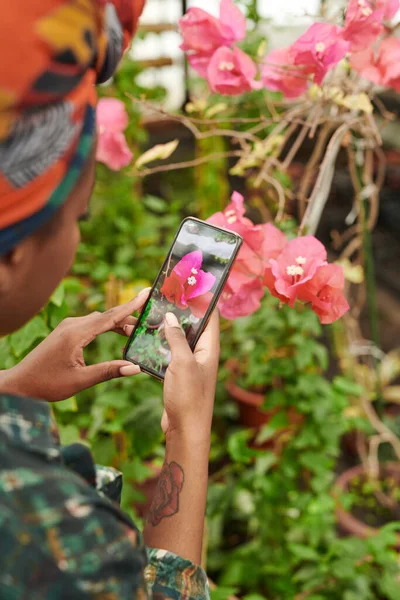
(52,55)
(31,271)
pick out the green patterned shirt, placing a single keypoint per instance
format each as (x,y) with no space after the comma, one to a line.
(62,539)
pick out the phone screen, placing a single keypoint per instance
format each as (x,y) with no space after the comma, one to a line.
(188,285)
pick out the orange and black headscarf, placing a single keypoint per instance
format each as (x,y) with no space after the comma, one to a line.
(53,52)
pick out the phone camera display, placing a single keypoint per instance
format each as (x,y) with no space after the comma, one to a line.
(190,281)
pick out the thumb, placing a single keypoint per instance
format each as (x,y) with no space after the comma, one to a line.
(94,374)
(176,339)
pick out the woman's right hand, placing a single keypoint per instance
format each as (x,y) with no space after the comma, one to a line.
(190,380)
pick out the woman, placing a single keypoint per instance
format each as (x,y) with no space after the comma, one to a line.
(59,537)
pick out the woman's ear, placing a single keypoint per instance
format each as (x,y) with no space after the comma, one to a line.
(12,264)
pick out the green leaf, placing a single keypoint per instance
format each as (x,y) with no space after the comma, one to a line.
(69,405)
(347,386)
(223,593)
(58,296)
(136,470)
(5,353)
(69,434)
(264,463)
(304,552)
(238,449)
(155,204)
(279,421)
(27,338)
(390,586)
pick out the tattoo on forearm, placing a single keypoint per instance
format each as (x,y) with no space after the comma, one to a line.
(166,501)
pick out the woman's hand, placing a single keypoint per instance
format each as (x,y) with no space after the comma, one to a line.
(56,369)
(189,388)
(176,517)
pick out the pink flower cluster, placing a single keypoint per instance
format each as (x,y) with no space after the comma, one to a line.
(210,45)
(290,270)
(322,47)
(112,120)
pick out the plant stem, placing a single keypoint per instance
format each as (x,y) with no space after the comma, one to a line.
(370,280)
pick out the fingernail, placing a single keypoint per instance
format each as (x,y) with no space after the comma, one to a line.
(125,328)
(171,320)
(145,291)
(129,370)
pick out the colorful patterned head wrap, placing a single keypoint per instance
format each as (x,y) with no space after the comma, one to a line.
(52,54)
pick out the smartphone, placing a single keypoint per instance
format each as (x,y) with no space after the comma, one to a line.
(189,284)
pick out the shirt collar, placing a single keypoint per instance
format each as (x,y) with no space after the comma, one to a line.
(29,423)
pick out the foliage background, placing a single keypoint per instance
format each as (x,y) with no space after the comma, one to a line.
(271,527)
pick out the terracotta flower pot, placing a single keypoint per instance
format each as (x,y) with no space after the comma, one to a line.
(249,403)
(347,521)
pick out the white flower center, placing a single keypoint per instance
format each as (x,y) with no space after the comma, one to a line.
(194,271)
(294,270)
(231,220)
(192,281)
(367,11)
(301,260)
(320,47)
(226,66)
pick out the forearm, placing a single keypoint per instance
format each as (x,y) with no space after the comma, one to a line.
(176,518)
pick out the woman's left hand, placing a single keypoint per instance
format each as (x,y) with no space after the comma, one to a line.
(56,369)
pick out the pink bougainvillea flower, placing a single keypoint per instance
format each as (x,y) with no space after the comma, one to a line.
(364,23)
(325,293)
(188,287)
(382,66)
(231,72)
(390,8)
(260,244)
(296,265)
(244,302)
(232,17)
(112,148)
(203,34)
(320,49)
(280,74)
(366,64)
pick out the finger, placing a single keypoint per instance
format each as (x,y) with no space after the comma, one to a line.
(126,326)
(111,319)
(207,348)
(181,352)
(128,329)
(95,374)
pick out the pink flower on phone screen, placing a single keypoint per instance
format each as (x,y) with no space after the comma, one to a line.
(188,286)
